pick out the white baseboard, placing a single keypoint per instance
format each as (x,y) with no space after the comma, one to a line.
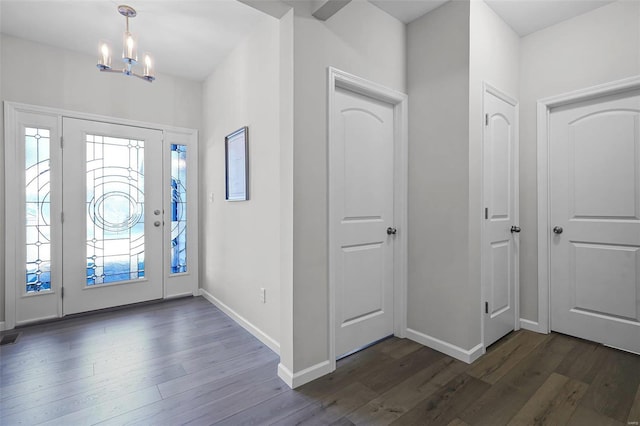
(294,380)
(454,351)
(531,326)
(243,322)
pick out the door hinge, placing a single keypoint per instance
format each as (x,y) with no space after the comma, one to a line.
(61,217)
(62,292)
(486,307)
(61,142)
(486,119)
(486,212)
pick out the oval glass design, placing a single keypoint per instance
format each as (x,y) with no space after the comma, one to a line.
(115,209)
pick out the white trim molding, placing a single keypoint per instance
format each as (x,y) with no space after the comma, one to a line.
(2,326)
(242,321)
(464,355)
(488,88)
(294,380)
(544,231)
(399,101)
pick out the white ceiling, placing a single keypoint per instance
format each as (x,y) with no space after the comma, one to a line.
(528,16)
(407,10)
(186,38)
(189,38)
(524,16)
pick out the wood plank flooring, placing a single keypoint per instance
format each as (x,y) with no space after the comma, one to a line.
(185,362)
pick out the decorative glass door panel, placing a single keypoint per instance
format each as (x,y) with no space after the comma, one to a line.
(113,216)
(178,208)
(38,209)
(115,209)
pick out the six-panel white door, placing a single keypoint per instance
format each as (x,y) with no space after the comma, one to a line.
(595,220)
(113,220)
(362,182)
(500,189)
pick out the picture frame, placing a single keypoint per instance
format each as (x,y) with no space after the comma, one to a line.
(236,150)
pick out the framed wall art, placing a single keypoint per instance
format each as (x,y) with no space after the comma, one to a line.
(236,148)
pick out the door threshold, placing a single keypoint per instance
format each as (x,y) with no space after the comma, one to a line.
(368,345)
(99,311)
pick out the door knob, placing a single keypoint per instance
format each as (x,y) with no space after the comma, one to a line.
(156,212)
(156,223)
(391,231)
(515,229)
(557,229)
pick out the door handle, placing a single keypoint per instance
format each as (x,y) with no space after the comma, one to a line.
(515,229)
(557,229)
(391,231)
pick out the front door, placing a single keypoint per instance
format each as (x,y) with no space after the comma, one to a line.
(112,215)
(500,233)
(362,182)
(595,220)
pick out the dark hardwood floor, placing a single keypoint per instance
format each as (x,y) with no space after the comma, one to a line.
(185,362)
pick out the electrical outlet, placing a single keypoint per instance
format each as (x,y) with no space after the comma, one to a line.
(263,295)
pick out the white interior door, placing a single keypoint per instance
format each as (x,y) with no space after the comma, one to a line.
(362,182)
(113,215)
(500,234)
(595,220)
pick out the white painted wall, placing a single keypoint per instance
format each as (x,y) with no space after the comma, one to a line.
(451,51)
(597,47)
(37,74)
(241,240)
(362,40)
(440,295)
(494,58)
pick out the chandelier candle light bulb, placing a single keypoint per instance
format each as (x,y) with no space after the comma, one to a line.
(104,59)
(129,52)
(148,71)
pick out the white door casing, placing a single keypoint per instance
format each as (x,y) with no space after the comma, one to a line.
(595,220)
(501,218)
(23,307)
(136,181)
(367,195)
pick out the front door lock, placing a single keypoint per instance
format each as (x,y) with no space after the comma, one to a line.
(391,231)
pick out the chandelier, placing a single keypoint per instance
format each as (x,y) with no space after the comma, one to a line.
(129,52)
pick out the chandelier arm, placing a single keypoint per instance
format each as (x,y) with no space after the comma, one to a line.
(143,77)
(118,70)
